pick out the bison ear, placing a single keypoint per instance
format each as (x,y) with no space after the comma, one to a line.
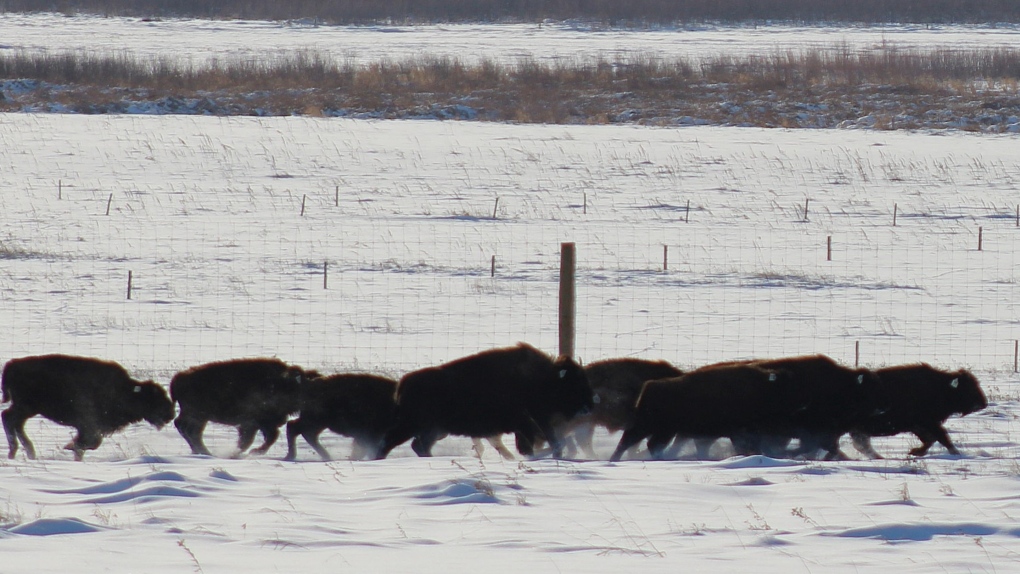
(955,383)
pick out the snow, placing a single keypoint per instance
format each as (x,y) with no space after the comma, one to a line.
(206,214)
(201,41)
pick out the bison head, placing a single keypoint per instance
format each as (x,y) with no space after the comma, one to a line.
(153,403)
(964,392)
(570,392)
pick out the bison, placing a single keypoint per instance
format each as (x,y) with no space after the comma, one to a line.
(95,397)
(617,384)
(732,400)
(833,397)
(251,394)
(509,390)
(918,399)
(360,406)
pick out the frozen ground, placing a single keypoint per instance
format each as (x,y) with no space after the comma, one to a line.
(206,214)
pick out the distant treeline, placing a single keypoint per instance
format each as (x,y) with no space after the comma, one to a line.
(607,12)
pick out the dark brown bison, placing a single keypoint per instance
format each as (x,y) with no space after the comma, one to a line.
(356,405)
(512,390)
(733,400)
(617,384)
(95,397)
(833,398)
(360,406)
(251,394)
(918,399)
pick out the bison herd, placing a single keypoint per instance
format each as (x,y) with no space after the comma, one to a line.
(790,407)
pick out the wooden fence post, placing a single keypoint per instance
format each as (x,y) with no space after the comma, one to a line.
(568,265)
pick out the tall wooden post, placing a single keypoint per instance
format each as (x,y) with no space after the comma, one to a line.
(568,307)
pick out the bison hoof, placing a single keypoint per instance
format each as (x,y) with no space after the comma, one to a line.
(919,451)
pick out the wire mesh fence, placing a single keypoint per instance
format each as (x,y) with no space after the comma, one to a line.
(441,248)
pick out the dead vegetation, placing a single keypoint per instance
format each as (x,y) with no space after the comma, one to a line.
(818,88)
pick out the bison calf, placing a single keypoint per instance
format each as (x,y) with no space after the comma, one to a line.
(512,390)
(95,397)
(717,401)
(355,405)
(251,394)
(918,399)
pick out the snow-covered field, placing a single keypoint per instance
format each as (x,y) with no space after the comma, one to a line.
(206,214)
(200,41)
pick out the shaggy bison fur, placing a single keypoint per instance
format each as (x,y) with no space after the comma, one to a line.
(510,390)
(356,405)
(95,397)
(732,400)
(251,394)
(918,399)
(617,384)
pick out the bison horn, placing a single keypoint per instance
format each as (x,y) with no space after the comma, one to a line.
(596,398)
(860,379)
(137,389)
(772,377)
(563,373)
(955,383)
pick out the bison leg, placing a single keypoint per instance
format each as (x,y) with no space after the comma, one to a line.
(424,441)
(703,446)
(631,437)
(14,426)
(270,432)
(657,444)
(862,443)
(85,440)
(584,435)
(246,436)
(311,435)
(497,443)
(831,446)
(524,440)
(394,437)
(930,436)
(191,429)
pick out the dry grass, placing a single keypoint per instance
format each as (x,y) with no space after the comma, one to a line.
(770,90)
